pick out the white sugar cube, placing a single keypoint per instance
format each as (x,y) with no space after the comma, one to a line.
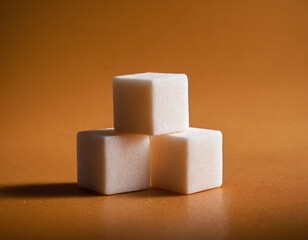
(187,162)
(150,103)
(110,162)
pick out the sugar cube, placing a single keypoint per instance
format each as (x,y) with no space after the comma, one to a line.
(110,162)
(187,162)
(150,103)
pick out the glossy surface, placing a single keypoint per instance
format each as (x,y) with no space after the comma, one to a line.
(247,67)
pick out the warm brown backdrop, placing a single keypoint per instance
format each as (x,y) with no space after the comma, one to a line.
(247,63)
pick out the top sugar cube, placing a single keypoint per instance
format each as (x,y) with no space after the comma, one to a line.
(150,103)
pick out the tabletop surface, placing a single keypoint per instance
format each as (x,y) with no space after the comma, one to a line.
(262,197)
(246,63)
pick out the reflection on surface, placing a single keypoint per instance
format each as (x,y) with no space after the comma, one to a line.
(66,211)
(161,214)
(80,214)
(207,214)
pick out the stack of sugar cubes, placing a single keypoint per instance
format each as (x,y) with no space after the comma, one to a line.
(151,143)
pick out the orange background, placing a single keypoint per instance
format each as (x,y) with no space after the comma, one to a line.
(247,64)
